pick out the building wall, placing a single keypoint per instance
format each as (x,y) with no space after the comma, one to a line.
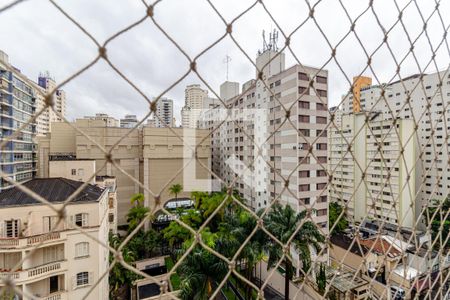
(79,170)
(375,151)
(150,155)
(18,104)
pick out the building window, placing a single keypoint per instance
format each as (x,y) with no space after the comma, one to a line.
(303,188)
(303,174)
(321,212)
(322,93)
(303,104)
(303,76)
(321,106)
(321,120)
(81,220)
(82,278)
(11,228)
(303,119)
(74,172)
(321,146)
(111,217)
(80,172)
(322,159)
(321,186)
(277,83)
(303,90)
(321,173)
(81,249)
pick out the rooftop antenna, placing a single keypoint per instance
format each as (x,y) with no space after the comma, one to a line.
(227,61)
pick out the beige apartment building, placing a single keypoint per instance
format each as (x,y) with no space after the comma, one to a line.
(378,178)
(62,263)
(196,100)
(258,110)
(425,99)
(154,157)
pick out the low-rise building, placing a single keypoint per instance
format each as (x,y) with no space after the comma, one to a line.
(62,262)
(153,156)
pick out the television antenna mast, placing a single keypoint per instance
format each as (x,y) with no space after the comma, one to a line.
(227,61)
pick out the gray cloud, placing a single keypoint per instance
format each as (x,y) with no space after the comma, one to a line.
(38,37)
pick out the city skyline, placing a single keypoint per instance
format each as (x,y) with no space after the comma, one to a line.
(309,46)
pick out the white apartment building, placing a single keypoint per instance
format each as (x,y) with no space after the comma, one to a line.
(259,114)
(374,180)
(109,121)
(164,113)
(425,99)
(62,263)
(196,101)
(45,85)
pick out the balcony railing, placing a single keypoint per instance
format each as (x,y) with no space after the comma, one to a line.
(36,273)
(30,240)
(42,270)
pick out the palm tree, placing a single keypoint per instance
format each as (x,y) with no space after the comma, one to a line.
(282,221)
(175,189)
(198,198)
(137,213)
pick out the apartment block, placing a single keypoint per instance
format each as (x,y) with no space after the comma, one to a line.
(46,85)
(373,165)
(196,101)
(129,121)
(153,156)
(164,113)
(424,99)
(256,133)
(62,262)
(17,106)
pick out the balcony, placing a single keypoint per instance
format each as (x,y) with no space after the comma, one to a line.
(36,273)
(30,241)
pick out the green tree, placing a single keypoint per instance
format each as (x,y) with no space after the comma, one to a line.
(198,198)
(334,212)
(282,221)
(439,217)
(137,213)
(175,190)
(175,233)
(321,279)
(200,269)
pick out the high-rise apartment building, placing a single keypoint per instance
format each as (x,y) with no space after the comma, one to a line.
(62,262)
(17,106)
(196,101)
(259,112)
(425,99)
(109,121)
(129,121)
(164,113)
(48,84)
(376,179)
(151,155)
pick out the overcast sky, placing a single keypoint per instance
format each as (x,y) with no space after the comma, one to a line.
(37,37)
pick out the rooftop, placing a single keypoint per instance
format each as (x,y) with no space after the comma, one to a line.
(54,190)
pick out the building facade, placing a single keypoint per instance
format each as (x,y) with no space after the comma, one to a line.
(425,99)
(109,121)
(18,104)
(129,121)
(196,101)
(66,263)
(151,155)
(263,136)
(381,156)
(164,113)
(46,85)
